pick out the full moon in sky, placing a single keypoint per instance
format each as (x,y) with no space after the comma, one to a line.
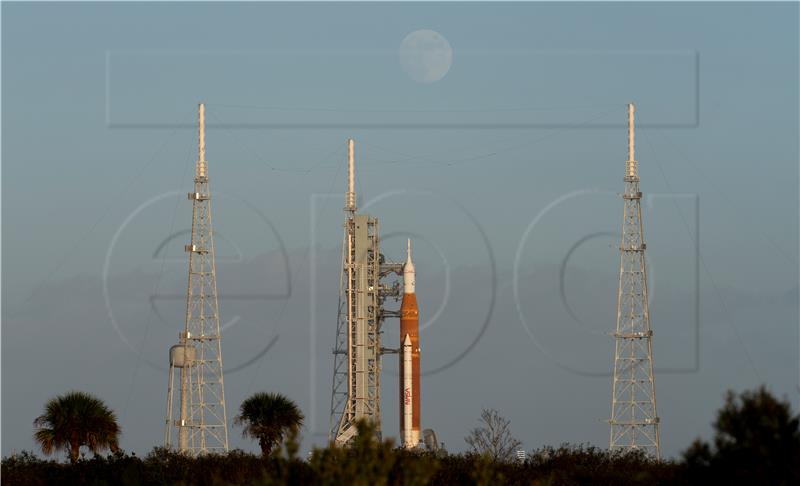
(425,56)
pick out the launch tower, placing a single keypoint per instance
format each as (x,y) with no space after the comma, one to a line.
(356,390)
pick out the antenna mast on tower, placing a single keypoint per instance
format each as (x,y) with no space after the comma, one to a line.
(202,422)
(634,421)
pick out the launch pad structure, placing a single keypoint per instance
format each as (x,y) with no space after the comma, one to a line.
(356,388)
(201,423)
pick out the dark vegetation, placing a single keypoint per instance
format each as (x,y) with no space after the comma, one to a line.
(268,417)
(756,441)
(368,463)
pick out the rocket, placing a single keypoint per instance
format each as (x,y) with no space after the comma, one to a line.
(409,358)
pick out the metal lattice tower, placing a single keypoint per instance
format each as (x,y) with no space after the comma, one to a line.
(356,390)
(202,422)
(634,421)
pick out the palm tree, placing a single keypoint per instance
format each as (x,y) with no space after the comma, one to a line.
(73,420)
(268,417)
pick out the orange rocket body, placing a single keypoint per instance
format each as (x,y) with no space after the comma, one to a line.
(409,326)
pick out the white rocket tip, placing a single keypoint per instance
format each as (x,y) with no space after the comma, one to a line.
(407,340)
(409,273)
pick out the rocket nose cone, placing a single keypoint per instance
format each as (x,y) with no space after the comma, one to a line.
(409,273)
(409,263)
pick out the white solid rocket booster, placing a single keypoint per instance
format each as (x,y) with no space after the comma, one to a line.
(408,395)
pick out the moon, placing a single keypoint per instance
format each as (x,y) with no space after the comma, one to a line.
(425,56)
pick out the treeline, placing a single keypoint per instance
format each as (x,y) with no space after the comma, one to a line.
(381,464)
(756,441)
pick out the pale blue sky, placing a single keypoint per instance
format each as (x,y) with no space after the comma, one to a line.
(99,101)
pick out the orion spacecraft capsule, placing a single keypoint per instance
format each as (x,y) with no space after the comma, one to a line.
(409,358)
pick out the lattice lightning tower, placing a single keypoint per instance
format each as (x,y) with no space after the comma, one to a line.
(202,422)
(634,421)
